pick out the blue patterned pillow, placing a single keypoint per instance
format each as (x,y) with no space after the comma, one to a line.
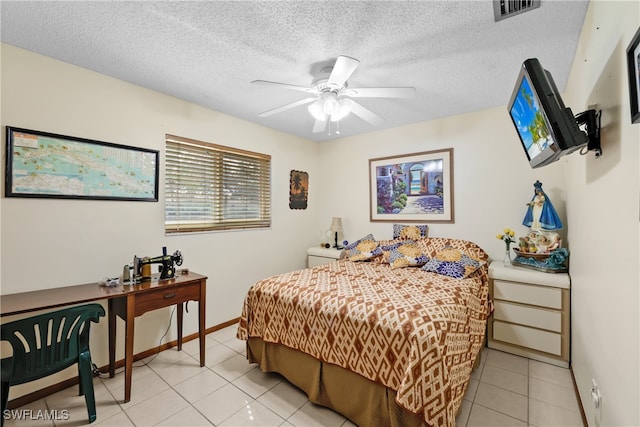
(453,263)
(413,232)
(363,249)
(404,254)
(388,247)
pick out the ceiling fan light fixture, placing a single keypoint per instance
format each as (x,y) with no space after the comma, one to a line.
(328,105)
(331,104)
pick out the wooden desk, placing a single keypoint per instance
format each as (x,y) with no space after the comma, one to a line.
(125,301)
(150,296)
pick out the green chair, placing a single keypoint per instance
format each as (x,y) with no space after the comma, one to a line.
(48,343)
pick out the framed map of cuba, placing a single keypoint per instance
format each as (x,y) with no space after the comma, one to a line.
(42,164)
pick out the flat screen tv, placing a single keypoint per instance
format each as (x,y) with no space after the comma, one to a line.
(547,129)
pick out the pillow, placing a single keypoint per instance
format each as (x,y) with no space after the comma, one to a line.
(430,246)
(362,249)
(385,245)
(404,254)
(413,232)
(452,262)
(388,246)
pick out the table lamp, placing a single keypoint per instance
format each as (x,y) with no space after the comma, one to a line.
(336,227)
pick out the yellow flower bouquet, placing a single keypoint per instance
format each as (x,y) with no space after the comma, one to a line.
(508,237)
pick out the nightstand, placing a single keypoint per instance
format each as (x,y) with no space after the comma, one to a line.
(531,315)
(318,255)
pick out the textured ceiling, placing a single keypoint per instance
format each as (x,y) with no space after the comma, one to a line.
(207,52)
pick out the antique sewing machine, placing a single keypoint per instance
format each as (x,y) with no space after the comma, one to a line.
(142,266)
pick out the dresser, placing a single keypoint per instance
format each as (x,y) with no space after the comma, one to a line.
(318,255)
(531,315)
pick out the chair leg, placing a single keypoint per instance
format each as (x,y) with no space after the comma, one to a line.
(80,390)
(86,384)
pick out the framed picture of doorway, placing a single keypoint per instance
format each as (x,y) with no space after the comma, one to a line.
(415,187)
(633,64)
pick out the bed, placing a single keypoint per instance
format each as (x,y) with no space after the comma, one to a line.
(387,336)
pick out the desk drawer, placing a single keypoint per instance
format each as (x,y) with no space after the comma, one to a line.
(160,297)
(528,294)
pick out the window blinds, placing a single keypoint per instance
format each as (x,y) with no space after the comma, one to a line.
(212,187)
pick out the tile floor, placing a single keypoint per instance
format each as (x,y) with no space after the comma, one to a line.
(172,390)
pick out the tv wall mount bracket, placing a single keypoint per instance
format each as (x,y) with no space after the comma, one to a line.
(590,120)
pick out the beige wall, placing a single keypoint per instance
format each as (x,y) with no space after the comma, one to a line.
(602,210)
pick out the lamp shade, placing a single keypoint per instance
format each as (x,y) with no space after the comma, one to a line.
(336,225)
(344,108)
(328,105)
(316,109)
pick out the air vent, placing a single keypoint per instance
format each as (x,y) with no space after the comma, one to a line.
(507,8)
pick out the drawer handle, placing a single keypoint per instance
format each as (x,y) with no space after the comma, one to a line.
(169,295)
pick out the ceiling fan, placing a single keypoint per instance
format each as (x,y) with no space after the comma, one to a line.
(331,95)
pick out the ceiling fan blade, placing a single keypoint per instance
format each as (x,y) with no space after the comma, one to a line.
(319,126)
(284,86)
(287,107)
(381,92)
(342,70)
(366,114)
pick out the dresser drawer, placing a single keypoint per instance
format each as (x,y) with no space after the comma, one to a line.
(548,342)
(528,294)
(160,297)
(542,318)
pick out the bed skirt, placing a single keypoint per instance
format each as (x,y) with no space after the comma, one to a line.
(364,402)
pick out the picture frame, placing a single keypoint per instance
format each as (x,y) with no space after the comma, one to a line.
(298,189)
(47,165)
(633,67)
(415,187)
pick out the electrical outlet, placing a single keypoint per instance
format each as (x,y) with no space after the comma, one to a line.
(596,398)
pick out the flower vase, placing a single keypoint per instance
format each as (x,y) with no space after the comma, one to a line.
(507,258)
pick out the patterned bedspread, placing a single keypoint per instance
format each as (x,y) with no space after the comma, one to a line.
(413,331)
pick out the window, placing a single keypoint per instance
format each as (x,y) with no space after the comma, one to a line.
(212,187)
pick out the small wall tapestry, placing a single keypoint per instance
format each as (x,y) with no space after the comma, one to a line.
(298,190)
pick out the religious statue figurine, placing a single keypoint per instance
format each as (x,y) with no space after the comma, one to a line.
(537,248)
(541,214)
